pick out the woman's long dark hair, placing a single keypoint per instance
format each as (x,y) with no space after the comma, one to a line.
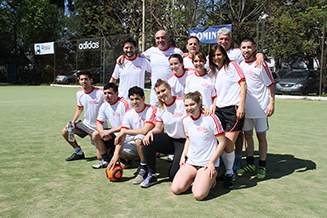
(212,52)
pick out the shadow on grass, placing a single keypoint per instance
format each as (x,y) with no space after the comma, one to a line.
(278,165)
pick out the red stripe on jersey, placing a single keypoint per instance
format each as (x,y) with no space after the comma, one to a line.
(100,121)
(125,102)
(238,69)
(218,124)
(241,80)
(268,73)
(153,115)
(124,127)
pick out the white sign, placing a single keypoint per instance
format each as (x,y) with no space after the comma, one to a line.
(44,48)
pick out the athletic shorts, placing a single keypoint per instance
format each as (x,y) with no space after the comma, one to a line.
(260,124)
(84,130)
(129,147)
(228,119)
(199,167)
(110,143)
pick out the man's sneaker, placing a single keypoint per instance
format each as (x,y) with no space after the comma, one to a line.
(151,179)
(237,163)
(261,172)
(248,168)
(76,156)
(101,164)
(228,183)
(140,177)
(170,158)
(213,184)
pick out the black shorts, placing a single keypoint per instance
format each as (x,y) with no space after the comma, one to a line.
(228,119)
(110,143)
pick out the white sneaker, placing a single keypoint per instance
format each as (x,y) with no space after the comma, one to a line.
(101,164)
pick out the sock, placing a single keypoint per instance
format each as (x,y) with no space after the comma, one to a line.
(262,163)
(78,150)
(143,165)
(105,157)
(250,160)
(229,159)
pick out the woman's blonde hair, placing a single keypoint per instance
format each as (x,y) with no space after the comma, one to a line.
(195,96)
(159,83)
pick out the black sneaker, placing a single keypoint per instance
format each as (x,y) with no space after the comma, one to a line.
(76,156)
(228,183)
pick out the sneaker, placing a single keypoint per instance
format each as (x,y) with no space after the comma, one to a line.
(76,156)
(261,172)
(170,158)
(248,168)
(237,163)
(213,184)
(101,164)
(228,183)
(140,177)
(151,179)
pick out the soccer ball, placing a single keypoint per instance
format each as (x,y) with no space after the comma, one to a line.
(114,174)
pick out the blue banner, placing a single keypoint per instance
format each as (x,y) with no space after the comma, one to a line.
(207,35)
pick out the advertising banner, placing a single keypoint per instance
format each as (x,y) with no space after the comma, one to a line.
(44,48)
(207,35)
(92,44)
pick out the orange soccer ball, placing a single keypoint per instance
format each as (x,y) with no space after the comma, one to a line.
(114,174)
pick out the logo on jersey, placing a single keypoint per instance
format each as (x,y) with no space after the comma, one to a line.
(225,74)
(93,102)
(201,129)
(177,114)
(249,72)
(116,114)
(206,85)
(137,67)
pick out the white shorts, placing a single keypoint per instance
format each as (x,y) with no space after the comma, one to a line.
(129,146)
(260,124)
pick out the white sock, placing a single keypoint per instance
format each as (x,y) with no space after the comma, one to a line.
(228,159)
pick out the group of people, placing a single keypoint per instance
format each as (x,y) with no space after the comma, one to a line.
(198,107)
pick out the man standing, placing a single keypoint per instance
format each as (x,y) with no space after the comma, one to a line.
(137,122)
(113,110)
(91,99)
(132,71)
(258,106)
(158,56)
(193,45)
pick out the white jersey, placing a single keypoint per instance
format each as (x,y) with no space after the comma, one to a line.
(257,97)
(177,83)
(228,85)
(131,73)
(113,112)
(136,120)
(204,84)
(160,67)
(187,61)
(91,103)
(202,133)
(172,115)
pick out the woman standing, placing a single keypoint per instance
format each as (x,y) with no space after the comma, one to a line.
(231,89)
(201,81)
(199,161)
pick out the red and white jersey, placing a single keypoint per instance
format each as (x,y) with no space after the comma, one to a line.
(159,62)
(187,61)
(171,116)
(113,112)
(136,120)
(228,85)
(257,97)
(131,73)
(204,84)
(91,103)
(177,83)
(202,133)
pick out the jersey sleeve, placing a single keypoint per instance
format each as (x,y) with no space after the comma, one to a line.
(147,66)
(238,72)
(101,115)
(185,126)
(78,99)
(126,124)
(215,125)
(159,115)
(267,76)
(151,115)
(115,74)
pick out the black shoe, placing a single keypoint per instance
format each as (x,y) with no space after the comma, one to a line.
(228,183)
(221,179)
(76,156)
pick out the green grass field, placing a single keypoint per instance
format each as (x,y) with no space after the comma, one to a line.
(36,181)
